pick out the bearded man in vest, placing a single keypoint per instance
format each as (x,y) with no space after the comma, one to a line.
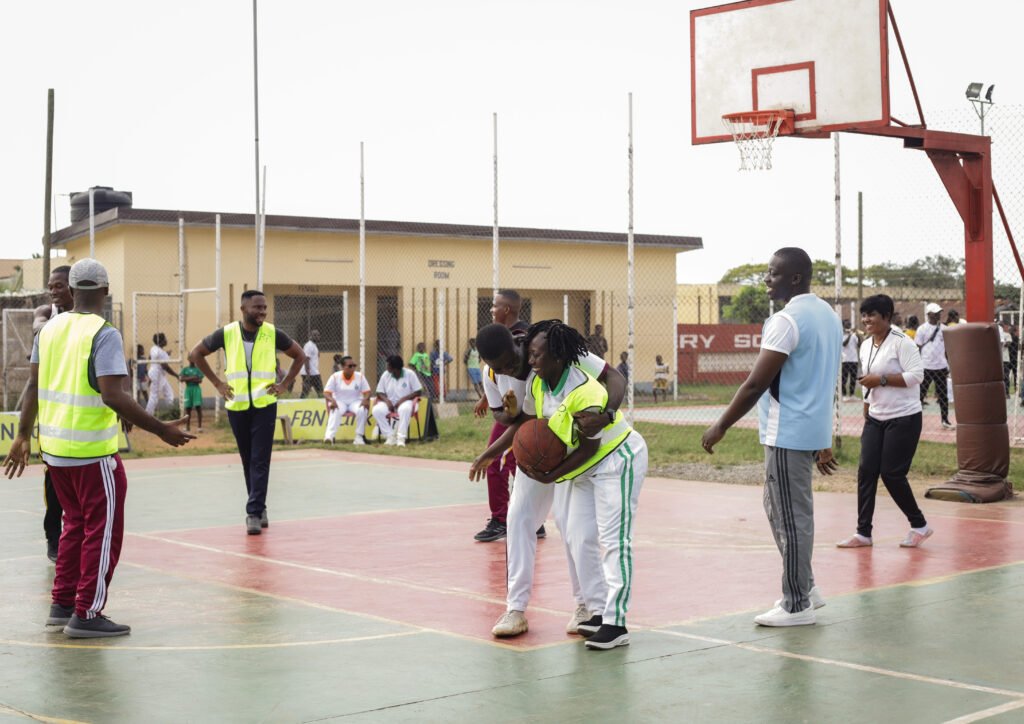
(77,387)
(250,392)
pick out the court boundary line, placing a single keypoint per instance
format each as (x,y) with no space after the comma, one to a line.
(197,647)
(8,709)
(986,713)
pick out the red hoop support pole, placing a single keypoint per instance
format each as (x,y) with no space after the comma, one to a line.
(906,62)
(1009,234)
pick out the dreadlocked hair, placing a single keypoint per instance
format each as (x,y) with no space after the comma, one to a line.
(564,343)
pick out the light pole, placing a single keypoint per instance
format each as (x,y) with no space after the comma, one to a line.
(982,105)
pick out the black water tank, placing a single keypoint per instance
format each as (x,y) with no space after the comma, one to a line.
(104,198)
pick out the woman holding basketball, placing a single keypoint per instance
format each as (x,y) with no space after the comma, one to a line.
(605,472)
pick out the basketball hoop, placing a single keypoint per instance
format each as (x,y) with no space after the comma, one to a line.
(755,132)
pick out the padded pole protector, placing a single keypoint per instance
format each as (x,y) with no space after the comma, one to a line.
(982,437)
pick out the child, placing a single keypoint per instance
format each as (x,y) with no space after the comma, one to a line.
(662,373)
(192,377)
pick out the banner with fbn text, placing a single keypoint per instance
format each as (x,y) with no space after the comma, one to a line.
(9,430)
(308,420)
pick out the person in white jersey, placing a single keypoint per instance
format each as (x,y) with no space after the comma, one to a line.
(311,379)
(159,387)
(793,384)
(397,390)
(851,345)
(347,392)
(892,422)
(531,501)
(932,345)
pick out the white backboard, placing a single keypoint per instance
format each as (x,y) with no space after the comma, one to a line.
(827,60)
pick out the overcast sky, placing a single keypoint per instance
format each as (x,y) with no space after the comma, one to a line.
(156,98)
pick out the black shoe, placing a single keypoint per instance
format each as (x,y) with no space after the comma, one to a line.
(494,530)
(252,525)
(264,521)
(541,533)
(60,615)
(591,627)
(608,637)
(51,550)
(94,628)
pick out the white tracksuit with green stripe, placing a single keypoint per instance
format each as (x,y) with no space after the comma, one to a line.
(601,498)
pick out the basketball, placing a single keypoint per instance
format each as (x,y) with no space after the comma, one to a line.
(536,447)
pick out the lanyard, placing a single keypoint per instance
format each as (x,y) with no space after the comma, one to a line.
(872,353)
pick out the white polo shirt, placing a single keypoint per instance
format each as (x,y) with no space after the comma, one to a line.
(496,386)
(897,355)
(930,342)
(313,353)
(347,393)
(850,345)
(395,389)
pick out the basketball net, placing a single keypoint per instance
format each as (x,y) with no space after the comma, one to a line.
(754,133)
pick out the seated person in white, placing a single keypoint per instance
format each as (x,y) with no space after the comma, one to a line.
(158,369)
(347,392)
(397,390)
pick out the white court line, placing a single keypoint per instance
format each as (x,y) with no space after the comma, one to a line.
(850,665)
(986,713)
(5,709)
(210,647)
(34,513)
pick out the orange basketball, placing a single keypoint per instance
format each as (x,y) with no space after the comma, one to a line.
(536,447)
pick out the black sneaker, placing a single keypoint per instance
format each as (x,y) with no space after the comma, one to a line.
(494,530)
(541,533)
(591,627)
(94,628)
(51,550)
(264,521)
(60,615)
(608,637)
(252,524)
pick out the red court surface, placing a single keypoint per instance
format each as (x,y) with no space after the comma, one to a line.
(702,550)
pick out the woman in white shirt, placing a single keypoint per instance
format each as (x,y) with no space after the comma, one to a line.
(892,421)
(347,393)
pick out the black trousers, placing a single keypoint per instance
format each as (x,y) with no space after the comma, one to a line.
(850,375)
(54,513)
(939,378)
(887,449)
(312,382)
(254,433)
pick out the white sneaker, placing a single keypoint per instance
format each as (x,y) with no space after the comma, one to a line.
(511,623)
(401,441)
(358,440)
(914,539)
(779,616)
(578,616)
(390,440)
(817,600)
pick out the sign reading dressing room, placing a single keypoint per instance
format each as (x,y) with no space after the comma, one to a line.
(438,265)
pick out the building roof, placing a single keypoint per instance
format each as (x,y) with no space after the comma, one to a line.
(130,215)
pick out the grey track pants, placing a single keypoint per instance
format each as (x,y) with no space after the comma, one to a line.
(790,509)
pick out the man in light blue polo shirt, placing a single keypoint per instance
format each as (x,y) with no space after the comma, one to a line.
(793,384)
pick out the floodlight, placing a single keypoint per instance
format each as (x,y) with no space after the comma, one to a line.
(974,91)
(988,94)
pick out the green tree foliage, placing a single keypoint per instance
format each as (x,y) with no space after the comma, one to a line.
(749,305)
(931,272)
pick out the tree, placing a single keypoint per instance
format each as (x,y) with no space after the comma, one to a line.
(749,305)
(822,273)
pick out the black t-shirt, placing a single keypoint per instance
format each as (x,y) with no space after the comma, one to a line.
(215,341)
(519,327)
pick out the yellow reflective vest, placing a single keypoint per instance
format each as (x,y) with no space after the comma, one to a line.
(74,422)
(250,387)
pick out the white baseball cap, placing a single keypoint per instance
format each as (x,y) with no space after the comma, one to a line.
(932,308)
(88,274)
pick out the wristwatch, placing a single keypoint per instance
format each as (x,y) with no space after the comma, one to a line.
(611,415)
(883,381)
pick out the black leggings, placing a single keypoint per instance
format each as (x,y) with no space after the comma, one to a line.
(887,449)
(849,376)
(939,378)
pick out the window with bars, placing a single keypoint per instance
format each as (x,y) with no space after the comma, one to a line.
(298,314)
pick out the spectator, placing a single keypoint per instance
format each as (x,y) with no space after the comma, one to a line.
(158,369)
(420,362)
(897,322)
(192,376)
(141,377)
(1005,341)
(338,365)
(435,367)
(932,346)
(396,391)
(623,367)
(596,342)
(472,361)
(953,317)
(389,343)
(347,393)
(505,310)
(912,324)
(1014,352)
(851,344)
(311,379)
(662,374)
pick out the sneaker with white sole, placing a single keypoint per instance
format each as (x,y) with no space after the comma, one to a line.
(591,626)
(400,441)
(608,637)
(511,623)
(779,616)
(390,440)
(60,615)
(580,615)
(817,600)
(358,440)
(914,539)
(855,541)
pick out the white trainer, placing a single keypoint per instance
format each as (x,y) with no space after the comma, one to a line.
(781,617)
(400,441)
(578,616)
(390,440)
(817,600)
(511,623)
(914,539)
(358,440)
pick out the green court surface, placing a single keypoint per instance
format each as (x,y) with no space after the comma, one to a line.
(367,600)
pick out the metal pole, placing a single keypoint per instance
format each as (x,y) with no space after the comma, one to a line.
(630,280)
(182,286)
(565,309)
(441,298)
(675,348)
(344,324)
(48,200)
(256,142)
(837,424)
(92,224)
(262,230)
(362,259)
(1020,363)
(135,344)
(495,234)
(216,305)
(5,317)
(860,248)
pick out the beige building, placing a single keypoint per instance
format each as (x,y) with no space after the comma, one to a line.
(423,280)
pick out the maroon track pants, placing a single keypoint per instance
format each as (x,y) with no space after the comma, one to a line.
(93,500)
(499,473)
